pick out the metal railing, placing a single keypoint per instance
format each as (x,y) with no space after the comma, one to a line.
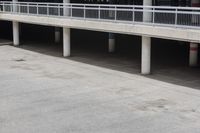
(184,17)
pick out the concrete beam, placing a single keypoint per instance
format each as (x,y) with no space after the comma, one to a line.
(181,34)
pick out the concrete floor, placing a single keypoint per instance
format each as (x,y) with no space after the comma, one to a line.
(169,62)
(93,92)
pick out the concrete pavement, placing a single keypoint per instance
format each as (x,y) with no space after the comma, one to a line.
(47,94)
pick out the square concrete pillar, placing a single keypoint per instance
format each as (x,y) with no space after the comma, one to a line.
(146,55)
(66,42)
(16,33)
(193,55)
(111,43)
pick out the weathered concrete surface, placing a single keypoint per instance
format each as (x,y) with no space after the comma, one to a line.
(47,94)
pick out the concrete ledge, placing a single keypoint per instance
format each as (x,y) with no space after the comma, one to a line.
(190,35)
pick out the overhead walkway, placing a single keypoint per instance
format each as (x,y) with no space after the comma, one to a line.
(177,23)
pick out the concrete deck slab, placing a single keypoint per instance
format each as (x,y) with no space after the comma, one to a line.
(48,94)
(182,34)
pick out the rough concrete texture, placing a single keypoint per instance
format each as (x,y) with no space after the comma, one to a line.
(47,94)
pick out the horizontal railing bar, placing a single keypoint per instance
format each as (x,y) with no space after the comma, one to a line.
(166,11)
(107,5)
(111,9)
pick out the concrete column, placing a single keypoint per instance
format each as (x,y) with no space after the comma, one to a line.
(193,58)
(193,53)
(195,3)
(66,1)
(146,55)
(57,29)
(57,34)
(111,40)
(111,45)
(15,33)
(66,34)
(147,16)
(66,11)
(15,29)
(146,43)
(66,42)
(14,7)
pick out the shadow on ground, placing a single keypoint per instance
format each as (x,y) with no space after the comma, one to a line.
(169,58)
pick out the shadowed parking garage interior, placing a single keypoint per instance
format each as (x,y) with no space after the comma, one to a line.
(169,58)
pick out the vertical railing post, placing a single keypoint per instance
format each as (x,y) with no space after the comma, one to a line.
(11,7)
(3,8)
(47,9)
(71,11)
(176,17)
(133,14)
(64,10)
(28,8)
(19,8)
(115,13)
(99,12)
(84,12)
(153,15)
(37,9)
(58,10)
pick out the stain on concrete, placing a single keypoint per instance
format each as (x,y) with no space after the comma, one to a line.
(19,60)
(154,106)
